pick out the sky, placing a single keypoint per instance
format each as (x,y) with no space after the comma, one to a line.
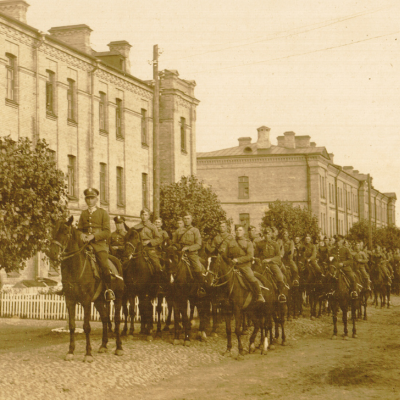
(328,69)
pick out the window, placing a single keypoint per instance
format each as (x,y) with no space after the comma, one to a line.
(144,127)
(51,156)
(120,186)
(71,100)
(118,118)
(103,183)
(11,69)
(50,92)
(102,112)
(330,193)
(145,191)
(245,221)
(71,176)
(243,187)
(183,135)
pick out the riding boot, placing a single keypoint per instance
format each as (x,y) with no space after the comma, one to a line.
(257,292)
(281,296)
(367,285)
(108,294)
(198,276)
(353,284)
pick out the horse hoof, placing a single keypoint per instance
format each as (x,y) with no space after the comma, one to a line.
(227,353)
(203,336)
(149,338)
(88,359)
(69,357)
(103,349)
(334,337)
(355,336)
(345,337)
(176,342)
(214,334)
(252,348)
(119,352)
(240,357)
(186,343)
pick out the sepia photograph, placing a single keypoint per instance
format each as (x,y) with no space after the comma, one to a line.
(198,200)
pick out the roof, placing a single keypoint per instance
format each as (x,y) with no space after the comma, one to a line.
(252,150)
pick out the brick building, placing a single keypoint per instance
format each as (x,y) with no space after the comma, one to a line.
(251,175)
(95,115)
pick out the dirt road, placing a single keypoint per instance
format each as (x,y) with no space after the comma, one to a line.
(311,366)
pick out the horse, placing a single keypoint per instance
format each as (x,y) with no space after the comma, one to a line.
(381,285)
(362,297)
(140,281)
(226,275)
(339,296)
(81,286)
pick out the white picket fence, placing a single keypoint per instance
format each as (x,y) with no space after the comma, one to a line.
(52,306)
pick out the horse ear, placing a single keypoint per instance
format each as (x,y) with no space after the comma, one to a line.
(70,220)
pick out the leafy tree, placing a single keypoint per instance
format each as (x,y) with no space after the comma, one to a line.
(298,221)
(359,231)
(193,196)
(32,198)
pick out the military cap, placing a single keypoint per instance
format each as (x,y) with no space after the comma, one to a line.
(251,227)
(145,210)
(119,219)
(91,192)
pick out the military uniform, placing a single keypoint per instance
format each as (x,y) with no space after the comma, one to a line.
(342,255)
(148,231)
(310,253)
(189,236)
(241,249)
(270,250)
(96,222)
(287,253)
(217,242)
(360,261)
(323,254)
(117,244)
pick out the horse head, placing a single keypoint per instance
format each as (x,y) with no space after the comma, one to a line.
(62,234)
(133,243)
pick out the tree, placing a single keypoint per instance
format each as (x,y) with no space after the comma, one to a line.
(32,198)
(193,196)
(298,221)
(359,231)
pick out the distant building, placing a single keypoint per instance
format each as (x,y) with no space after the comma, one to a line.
(249,176)
(95,115)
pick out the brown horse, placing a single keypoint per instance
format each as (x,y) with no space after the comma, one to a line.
(81,286)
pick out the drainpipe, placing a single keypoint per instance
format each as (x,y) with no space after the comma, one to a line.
(308,184)
(37,113)
(336,205)
(91,136)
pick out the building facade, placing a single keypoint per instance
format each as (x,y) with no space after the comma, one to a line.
(249,176)
(95,115)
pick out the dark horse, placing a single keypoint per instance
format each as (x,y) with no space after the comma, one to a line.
(261,314)
(81,286)
(380,284)
(139,277)
(339,296)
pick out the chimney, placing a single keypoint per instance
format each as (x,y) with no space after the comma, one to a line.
(15,9)
(244,141)
(302,141)
(289,140)
(356,171)
(124,48)
(77,36)
(281,141)
(331,155)
(263,141)
(313,144)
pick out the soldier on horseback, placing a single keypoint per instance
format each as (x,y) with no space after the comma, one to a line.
(94,225)
(287,253)
(381,263)
(240,251)
(150,238)
(223,236)
(268,252)
(188,240)
(361,260)
(343,260)
(117,243)
(165,238)
(310,255)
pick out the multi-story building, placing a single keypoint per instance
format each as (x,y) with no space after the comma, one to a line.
(95,115)
(249,176)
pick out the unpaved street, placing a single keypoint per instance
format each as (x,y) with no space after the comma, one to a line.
(311,366)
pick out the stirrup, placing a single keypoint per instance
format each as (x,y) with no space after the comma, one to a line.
(296,283)
(354,295)
(282,298)
(109,295)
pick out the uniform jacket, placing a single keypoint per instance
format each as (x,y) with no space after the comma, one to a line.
(217,242)
(270,249)
(241,249)
(310,251)
(342,255)
(187,236)
(287,250)
(117,239)
(361,258)
(98,224)
(148,231)
(323,254)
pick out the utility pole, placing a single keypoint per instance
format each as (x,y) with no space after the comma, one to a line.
(156,152)
(369,214)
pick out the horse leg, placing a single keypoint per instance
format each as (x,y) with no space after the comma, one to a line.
(186,323)
(159,311)
(109,324)
(102,309)
(344,319)
(71,324)
(117,322)
(228,327)
(132,314)
(334,308)
(169,316)
(238,323)
(214,319)
(283,310)
(252,346)
(148,319)
(125,311)
(86,328)
(353,317)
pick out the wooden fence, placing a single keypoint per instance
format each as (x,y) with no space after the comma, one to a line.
(52,306)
